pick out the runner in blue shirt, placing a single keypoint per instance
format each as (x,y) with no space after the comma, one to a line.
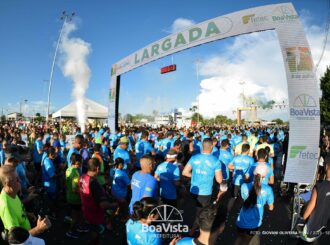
(215,150)
(37,154)
(225,157)
(77,145)
(240,166)
(168,175)
(142,147)
(2,152)
(256,195)
(143,184)
(49,178)
(202,169)
(121,151)
(114,140)
(144,212)
(119,186)
(166,144)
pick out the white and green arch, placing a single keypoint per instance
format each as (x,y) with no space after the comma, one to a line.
(302,84)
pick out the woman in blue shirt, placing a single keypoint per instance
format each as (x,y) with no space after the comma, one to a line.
(256,195)
(120,183)
(137,228)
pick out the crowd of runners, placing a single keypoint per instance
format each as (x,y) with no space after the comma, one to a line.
(104,177)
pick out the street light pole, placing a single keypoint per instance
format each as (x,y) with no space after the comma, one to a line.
(65,17)
(197,61)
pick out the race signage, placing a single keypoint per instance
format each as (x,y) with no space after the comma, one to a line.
(304,113)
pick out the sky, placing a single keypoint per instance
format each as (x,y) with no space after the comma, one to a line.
(114,29)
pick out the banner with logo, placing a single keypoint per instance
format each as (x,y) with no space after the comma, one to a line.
(302,85)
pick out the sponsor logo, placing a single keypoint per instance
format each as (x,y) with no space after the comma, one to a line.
(284,14)
(169,222)
(304,108)
(300,62)
(252,18)
(113,70)
(112,94)
(298,151)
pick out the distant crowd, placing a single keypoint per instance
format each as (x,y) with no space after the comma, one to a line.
(104,178)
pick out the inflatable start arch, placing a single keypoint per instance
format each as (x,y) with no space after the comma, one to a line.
(303,90)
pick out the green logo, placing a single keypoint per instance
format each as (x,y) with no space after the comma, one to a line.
(304,100)
(296,149)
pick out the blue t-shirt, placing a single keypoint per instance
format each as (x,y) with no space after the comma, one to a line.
(114,138)
(136,235)
(250,218)
(105,151)
(119,184)
(119,152)
(22,175)
(72,150)
(186,241)
(2,157)
(44,155)
(269,174)
(225,157)
(63,145)
(203,167)
(48,172)
(143,185)
(242,164)
(142,147)
(166,144)
(237,140)
(38,145)
(106,136)
(168,174)
(215,152)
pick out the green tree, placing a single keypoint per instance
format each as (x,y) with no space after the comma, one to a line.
(278,121)
(128,117)
(196,117)
(325,99)
(220,119)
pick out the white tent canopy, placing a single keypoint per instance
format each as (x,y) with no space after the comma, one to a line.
(93,110)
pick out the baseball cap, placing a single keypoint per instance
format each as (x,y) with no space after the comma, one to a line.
(123,140)
(261,169)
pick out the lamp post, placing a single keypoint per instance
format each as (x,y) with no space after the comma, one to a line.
(65,17)
(197,61)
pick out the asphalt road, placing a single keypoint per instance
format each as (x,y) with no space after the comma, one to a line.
(273,222)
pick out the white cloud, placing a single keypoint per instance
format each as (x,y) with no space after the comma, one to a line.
(181,23)
(255,59)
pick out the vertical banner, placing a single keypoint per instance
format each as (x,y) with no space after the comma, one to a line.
(113,96)
(303,90)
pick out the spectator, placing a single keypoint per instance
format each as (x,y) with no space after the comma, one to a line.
(11,209)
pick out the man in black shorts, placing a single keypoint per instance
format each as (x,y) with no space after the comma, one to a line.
(202,169)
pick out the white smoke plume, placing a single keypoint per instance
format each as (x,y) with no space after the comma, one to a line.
(74,66)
